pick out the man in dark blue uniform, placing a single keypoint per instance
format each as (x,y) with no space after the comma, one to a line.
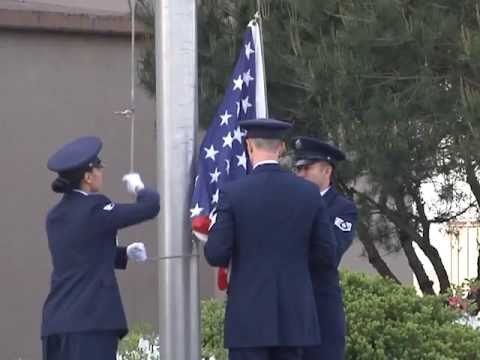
(268,225)
(315,161)
(83,316)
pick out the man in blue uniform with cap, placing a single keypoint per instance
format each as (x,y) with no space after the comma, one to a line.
(83,316)
(268,225)
(316,161)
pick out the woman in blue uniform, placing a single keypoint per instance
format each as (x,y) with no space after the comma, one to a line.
(83,315)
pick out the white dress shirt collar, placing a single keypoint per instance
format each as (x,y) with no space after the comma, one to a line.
(265,162)
(324,191)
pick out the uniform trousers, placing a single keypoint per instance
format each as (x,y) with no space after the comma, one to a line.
(331,349)
(98,345)
(331,314)
(265,353)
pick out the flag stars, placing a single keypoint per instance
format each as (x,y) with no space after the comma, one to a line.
(246,105)
(225,117)
(197,210)
(247,77)
(238,83)
(221,158)
(248,50)
(238,135)
(242,160)
(215,197)
(213,218)
(238,108)
(211,153)
(227,167)
(215,176)
(228,140)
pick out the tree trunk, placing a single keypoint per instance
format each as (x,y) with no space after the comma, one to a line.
(432,254)
(423,239)
(478,265)
(472,179)
(474,184)
(374,257)
(426,285)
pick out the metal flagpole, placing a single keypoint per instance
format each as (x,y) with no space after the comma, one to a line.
(133,4)
(129,113)
(176,103)
(259,20)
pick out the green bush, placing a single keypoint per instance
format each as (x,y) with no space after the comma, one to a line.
(385,321)
(388,321)
(128,348)
(213,312)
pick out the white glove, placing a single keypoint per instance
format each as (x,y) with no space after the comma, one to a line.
(134,182)
(137,252)
(203,238)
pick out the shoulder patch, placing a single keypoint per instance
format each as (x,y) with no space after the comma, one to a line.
(109,207)
(343,225)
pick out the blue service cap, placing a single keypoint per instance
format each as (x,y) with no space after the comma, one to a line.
(309,150)
(265,128)
(80,153)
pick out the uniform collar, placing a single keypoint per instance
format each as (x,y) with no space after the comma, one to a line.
(81,192)
(330,195)
(271,166)
(323,192)
(265,162)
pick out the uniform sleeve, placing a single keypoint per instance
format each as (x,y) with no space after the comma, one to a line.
(113,216)
(344,225)
(218,249)
(121,258)
(323,244)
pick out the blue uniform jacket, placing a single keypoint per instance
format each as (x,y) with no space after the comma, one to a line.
(268,225)
(326,281)
(82,230)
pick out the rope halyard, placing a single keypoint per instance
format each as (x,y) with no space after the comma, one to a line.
(129,113)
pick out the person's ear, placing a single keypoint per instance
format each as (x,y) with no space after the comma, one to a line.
(328,170)
(250,147)
(88,177)
(282,149)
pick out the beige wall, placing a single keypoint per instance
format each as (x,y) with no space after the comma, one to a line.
(356,260)
(55,87)
(458,244)
(109,5)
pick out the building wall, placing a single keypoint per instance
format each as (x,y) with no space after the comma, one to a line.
(462,254)
(107,5)
(458,245)
(355,260)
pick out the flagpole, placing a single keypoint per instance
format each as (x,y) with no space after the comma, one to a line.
(132,86)
(259,20)
(176,104)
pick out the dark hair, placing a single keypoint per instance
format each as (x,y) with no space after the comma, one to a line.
(68,180)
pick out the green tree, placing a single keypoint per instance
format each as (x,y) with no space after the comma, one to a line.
(393,82)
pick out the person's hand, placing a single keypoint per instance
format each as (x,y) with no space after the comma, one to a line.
(133,182)
(203,238)
(137,252)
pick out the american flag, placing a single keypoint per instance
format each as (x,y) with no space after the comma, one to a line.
(222,155)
